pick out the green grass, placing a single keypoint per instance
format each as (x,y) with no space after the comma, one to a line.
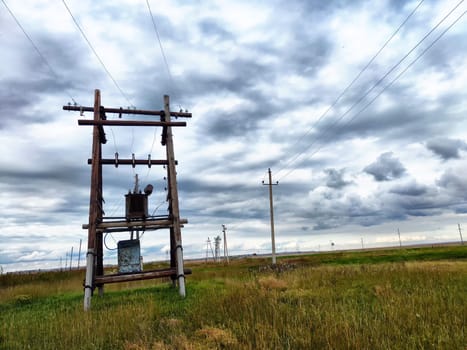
(385,299)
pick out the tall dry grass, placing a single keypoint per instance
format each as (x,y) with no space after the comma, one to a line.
(414,305)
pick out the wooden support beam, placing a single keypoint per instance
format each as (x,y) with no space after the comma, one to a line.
(109,161)
(127,111)
(136,225)
(116,278)
(116,122)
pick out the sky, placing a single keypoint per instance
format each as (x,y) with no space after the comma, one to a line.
(357,107)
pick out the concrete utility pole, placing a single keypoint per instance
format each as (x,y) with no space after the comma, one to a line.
(460,233)
(399,233)
(226,251)
(209,247)
(79,251)
(271,210)
(217,248)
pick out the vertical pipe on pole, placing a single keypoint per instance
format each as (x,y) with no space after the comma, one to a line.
(173,197)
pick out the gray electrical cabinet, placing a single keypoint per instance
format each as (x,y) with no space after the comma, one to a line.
(129,256)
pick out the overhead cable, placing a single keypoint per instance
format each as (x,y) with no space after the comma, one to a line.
(36,48)
(343,92)
(372,88)
(97,56)
(391,82)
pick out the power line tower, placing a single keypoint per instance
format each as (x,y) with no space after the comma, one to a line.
(226,251)
(217,248)
(136,216)
(271,211)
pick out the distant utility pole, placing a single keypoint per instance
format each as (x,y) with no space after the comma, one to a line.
(460,233)
(79,251)
(271,209)
(71,257)
(209,246)
(399,234)
(217,248)
(226,251)
(362,242)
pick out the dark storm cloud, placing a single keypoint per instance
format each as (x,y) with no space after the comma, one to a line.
(385,168)
(446,148)
(335,178)
(454,183)
(409,189)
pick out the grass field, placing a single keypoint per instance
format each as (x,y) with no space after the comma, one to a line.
(385,299)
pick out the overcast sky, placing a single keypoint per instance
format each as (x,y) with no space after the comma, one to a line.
(270,84)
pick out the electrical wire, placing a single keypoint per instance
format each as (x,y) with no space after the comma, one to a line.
(369,91)
(36,48)
(343,92)
(160,45)
(395,78)
(97,56)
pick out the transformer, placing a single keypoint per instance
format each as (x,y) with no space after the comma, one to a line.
(136,206)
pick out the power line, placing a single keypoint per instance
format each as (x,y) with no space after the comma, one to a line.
(352,82)
(160,45)
(97,56)
(377,84)
(46,62)
(396,77)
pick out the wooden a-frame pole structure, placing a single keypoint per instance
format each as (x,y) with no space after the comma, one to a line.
(98,224)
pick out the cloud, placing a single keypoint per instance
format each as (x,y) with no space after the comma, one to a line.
(409,189)
(446,148)
(335,178)
(386,168)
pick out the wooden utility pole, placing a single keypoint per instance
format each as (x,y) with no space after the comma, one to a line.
(226,251)
(98,224)
(460,233)
(173,199)
(271,210)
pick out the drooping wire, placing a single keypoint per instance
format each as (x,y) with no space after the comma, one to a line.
(343,92)
(370,90)
(160,45)
(36,48)
(393,80)
(97,56)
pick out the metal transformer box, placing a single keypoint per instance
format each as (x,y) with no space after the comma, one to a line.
(136,206)
(129,256)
